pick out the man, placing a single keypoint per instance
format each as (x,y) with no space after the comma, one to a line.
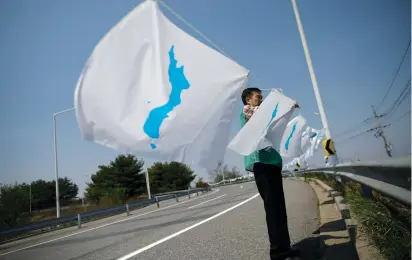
(266,166)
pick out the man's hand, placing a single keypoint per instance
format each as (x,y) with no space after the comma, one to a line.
(297,105)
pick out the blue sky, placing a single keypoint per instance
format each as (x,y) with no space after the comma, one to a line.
(356,47)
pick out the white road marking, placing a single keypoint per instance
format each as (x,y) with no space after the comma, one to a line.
(141,250)
(105,225)
(191,207)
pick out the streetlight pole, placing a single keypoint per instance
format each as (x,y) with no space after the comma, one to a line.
(313,79)
(146,174)
(149,196)
(56,168)
(30,196)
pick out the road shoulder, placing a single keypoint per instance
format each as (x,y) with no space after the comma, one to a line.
(334,239)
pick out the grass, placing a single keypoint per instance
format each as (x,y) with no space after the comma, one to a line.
(385,221)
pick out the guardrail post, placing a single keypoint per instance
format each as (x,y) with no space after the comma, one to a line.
(366,191)
(157,202)
(79,221)
(338,179)
(188,193)
(127,210)
(177,198)
(351,227)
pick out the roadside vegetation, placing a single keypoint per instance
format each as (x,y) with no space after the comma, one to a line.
(119,182)
(386,222)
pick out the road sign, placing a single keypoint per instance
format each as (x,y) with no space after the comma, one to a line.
(329,147)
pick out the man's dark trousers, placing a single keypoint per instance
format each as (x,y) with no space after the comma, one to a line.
(269,182)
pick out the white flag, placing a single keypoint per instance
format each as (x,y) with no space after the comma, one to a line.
(265,128)
(306,139)
(316,138)
(295,163)
(151,89)
(309,144)
(292,138)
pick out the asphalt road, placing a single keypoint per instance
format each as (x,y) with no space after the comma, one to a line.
(228,223)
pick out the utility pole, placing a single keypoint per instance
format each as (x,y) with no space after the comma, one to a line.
(380,133)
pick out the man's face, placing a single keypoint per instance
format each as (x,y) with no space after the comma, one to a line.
(255,99)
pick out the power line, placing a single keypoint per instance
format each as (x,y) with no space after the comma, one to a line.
(390,111)
(394,106)
(361,133)
(401,98)
(374,128)
(396,74)
(352,137)
(353,128)
(402,116)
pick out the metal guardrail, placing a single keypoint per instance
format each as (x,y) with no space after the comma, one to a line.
(391,177)
(102,212)
(226,183)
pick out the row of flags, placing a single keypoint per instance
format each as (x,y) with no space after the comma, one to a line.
(310,140)
(272,126)
(151,89)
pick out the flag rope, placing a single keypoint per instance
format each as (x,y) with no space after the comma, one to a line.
(194,28)
(177,15)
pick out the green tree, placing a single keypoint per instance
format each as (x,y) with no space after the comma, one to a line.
(232,174)
(201,184)
(44,193)
(165,177)
(120,179)
(217,173)
(68,190)
(14,205)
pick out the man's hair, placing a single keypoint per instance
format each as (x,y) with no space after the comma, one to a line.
(248,92)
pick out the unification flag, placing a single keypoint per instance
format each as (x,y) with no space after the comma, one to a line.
(310,141)
(151,89)
(267,125)
(290,146)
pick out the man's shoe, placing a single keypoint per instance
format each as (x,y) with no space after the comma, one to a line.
(292,254)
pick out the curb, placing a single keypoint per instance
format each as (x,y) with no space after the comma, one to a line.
(351,224)
(357,239)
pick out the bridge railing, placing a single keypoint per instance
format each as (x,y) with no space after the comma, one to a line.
(391,177)
(79,218)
